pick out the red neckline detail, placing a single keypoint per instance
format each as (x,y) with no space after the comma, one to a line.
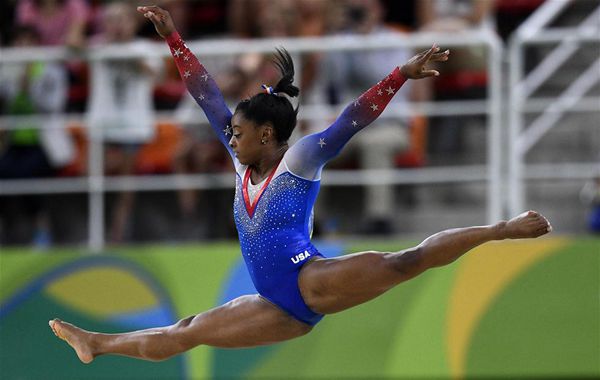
(250,207)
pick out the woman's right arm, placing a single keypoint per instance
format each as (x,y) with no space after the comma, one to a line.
(199,83)
(307,157)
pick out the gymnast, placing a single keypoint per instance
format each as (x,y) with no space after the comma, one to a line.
(276,188)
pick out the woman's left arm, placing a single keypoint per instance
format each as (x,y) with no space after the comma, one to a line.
(311,152)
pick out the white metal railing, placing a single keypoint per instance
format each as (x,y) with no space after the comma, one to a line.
(96,184)
(572,99)
(560,54)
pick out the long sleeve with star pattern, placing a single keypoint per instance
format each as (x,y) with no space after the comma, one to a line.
(307,157)
(203,88)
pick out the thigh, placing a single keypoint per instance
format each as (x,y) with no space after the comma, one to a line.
(246,321)
(335,284)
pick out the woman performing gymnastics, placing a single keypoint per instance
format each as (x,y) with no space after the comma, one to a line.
(276,187)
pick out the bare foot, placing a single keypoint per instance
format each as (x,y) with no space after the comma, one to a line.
(529,224)
(75,337)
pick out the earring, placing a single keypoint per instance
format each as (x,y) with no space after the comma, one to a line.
(263,141)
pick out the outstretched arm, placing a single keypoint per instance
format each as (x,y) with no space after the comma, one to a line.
(199,83)
(310,153)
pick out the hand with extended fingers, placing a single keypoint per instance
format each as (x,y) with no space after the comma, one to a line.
(415,67)
(160,18)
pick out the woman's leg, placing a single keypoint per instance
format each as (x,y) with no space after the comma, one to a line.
(332,285)
(244,322)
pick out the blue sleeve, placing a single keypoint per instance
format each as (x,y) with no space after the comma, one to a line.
(203,89)
(307,157)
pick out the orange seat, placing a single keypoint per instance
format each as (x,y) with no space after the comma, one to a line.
(414,157)
(157,155)
(78,166)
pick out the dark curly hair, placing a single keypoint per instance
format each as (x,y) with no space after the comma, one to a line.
(275,109)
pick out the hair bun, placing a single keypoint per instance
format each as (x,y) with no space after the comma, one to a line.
(284,63)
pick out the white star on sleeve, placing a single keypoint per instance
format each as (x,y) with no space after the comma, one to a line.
(356,103)
(187,74)
(354,123)
(374,107)
(177,53)
(201,97)
(322,142)
(227,130)
(186,58)
(205,76)
(390,90)
(379,92)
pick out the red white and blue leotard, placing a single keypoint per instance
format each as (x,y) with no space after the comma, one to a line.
(274,229)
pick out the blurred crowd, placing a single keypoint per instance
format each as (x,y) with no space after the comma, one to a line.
(120,97)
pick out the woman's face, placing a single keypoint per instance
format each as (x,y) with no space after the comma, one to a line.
(246,139)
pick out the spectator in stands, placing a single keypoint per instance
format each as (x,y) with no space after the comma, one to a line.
(36,147)
(261,19)
(120,104)
(344,75)
(245,18)
(466,76)
(61,23)
(590,195)
(58,22)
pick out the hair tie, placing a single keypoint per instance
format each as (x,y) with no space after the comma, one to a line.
(268,89)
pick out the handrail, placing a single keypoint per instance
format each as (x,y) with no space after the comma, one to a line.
(96,184)
(543,15)
(543,123)
(234,46)
(307,112)
(559,55)
(521,87)
(310,112)
(438,174)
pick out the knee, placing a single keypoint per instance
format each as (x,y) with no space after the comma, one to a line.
(181,335)
(183,323)
(158,350)
(172,341)
(409,262)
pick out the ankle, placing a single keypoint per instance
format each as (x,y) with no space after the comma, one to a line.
(94,343)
